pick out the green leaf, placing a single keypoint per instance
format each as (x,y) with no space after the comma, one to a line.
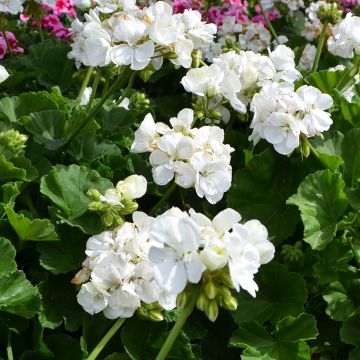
(90,148)
(7,257)
(351,156)
(114,118)
(10,172)
(350,334)
(59,304)
(49,127)
(324,80)
(13,108)
(286,342)
(275,299)
(260,190)
(329,148)
(339,305)
(321,200)
(31,230)
(66,186)
(18,296)
(65,255)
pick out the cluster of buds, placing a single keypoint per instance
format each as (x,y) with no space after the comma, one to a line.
(329,12)
(12,141)
(118,201)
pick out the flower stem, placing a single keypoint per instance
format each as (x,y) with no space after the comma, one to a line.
(347,76)
(320,46)
(180,322)
(163,199)
(93,112)
(7,43)
(128,88)
(85,82)
(268,23)
(94,88)
(102,343)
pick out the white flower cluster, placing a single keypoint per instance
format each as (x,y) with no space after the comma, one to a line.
(235,78)
(281,115)
(194,157)
(127,35)
(153,259)
(292,5)
(11,6)
(345,39)
(313,25)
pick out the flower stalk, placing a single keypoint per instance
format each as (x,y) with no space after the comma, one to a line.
(320,46)
(163,199)
(268,23)
(107,337)
(85,82)
(180,322)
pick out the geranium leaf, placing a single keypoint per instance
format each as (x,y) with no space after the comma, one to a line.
(321,200)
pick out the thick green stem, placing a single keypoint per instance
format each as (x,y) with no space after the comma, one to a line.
(180,322)
(7,43)
(101,344)
(268,23)
(85,82)
(93,112)
(128,88)
(163,199)
(94,89)
(320,46)
(9,351)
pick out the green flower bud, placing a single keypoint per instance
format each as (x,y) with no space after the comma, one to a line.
(212,310)
(210,290)
(226,279)
(156,315)
(305,148)
(329,12)
(292,254)
(146,73)
(230,303)
(171,55)
(202,302)
(181,300)
(93,194)
(13,141)
(97,206)
(142,312)
(107,219)
(196,58)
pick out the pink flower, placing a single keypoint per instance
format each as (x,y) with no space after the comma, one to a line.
(15,48)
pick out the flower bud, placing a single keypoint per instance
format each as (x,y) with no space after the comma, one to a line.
(156,315)
(13,141)
(210,290)
(329,12)
(181,300)
(196,58)
(171,55)
(107,219)
(202,302)
(230,303)
(93,194)
(212,310)
(133,187)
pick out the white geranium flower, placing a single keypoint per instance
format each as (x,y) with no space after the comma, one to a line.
(315,120)
(182,123)
(133,187)
(244,259)
(92,298)
(283,131)
(3,74)
(136,52)
(345,39)
(147,135)
(170,159)
(254,37)
(176,257)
